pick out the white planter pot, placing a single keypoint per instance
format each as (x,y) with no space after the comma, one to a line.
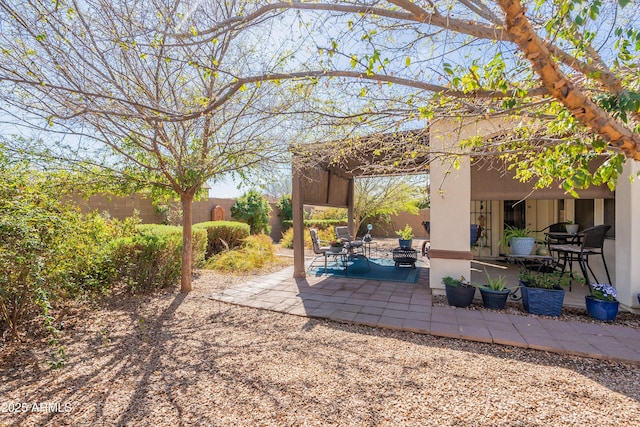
(522,245)
(572,228)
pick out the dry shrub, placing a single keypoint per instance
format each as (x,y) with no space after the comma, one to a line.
(256,252)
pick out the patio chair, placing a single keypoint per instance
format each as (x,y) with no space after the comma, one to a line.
(592,244)
(342,232)
(318,250)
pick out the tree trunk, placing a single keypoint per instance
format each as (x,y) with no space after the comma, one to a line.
(187,247)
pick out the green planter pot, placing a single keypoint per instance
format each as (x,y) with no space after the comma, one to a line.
(495,300)
(544,302)
(459,296)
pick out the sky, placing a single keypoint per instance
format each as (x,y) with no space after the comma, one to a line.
(226,189)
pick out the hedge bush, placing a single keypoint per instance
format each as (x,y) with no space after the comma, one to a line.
(319,224)
(223,235)
(152,258)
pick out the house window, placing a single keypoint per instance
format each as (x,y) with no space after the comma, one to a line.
(610,216)
(584,213)
(514,213)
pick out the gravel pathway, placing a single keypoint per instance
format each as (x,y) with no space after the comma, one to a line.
(172,359)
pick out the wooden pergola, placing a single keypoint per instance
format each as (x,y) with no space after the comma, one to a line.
(324,173)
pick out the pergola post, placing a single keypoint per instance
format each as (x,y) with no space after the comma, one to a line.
(298,224)
(350,203)
(627,243)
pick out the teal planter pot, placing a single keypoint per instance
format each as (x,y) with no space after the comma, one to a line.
(601,310)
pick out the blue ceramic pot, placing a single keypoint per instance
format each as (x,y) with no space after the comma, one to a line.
(601,310)
(543,302)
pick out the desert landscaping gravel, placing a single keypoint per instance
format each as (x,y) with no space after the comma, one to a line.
(171,359)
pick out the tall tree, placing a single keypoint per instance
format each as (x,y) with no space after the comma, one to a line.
(568,68)
(176,89)
(121,81)
(384,197)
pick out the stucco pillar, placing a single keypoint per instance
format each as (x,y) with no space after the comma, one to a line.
(628,236)
(450,252)
(298,225)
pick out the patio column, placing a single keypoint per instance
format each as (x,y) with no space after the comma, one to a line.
(450,252)
(628,237)
(298,225)
(350,203)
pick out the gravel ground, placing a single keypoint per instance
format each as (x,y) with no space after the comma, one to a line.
(180,360)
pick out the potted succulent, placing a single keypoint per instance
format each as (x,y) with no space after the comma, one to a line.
(519,239)
(459,291)
(336,246)
(406,237)
(543,293)
(495,293)
(602,303)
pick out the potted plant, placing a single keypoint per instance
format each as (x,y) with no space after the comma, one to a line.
(495,293)
(336,246)
(602,303)
(459,291)
(571,227)
(406,237)
(519,240)
(543,293)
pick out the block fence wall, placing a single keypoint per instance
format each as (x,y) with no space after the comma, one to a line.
(124,207)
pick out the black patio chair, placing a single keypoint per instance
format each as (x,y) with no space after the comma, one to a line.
(352,244)
(592,244)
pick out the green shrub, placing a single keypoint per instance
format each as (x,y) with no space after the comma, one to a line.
(223,235)
(35,257)
(152,259)
(285,211)
(253,209)
(319,224)
(256,252)
(91,269)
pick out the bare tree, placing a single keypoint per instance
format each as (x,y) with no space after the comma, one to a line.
(119,82)
(176,91)
(572,64)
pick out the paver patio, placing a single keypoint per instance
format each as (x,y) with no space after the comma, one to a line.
(408,307)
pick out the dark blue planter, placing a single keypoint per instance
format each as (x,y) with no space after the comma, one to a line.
(495,300)
(543,302)
(459,296)
(601,310)
(405,244)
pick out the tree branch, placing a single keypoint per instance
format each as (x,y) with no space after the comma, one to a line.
(561,88)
